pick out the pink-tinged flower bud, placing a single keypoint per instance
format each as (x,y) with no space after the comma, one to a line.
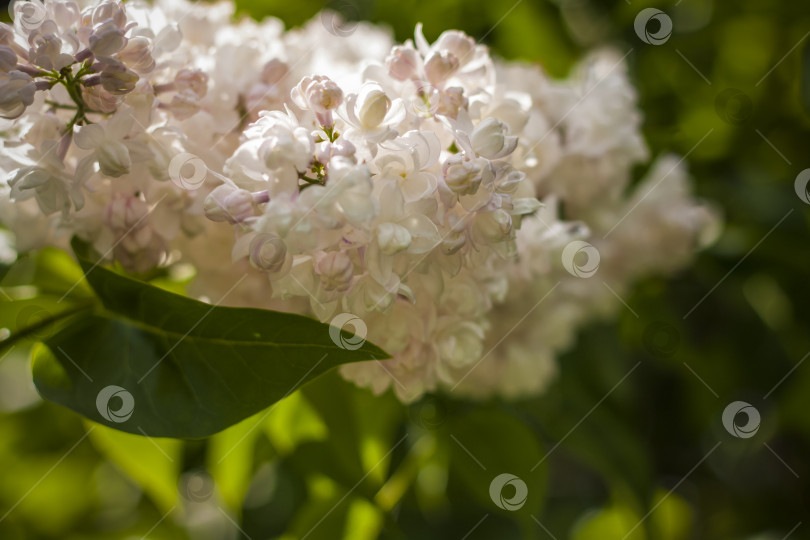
(344,148)
(336,270)
(97,98)
(6,34)
(227,203)
(8,58)
(16,93)
(451,101)
(323,151)
(117,79)
(185,104)
(107,39)
(110,10)
(268,252)
(135,241)
(138,55)
(492,227)
(456,43)
(403,62)
(274,71)
(319,94)
(65,13)
(489,139)
(439,67)
(193,80)
(125,212)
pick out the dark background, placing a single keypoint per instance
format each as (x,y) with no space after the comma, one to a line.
(655,439)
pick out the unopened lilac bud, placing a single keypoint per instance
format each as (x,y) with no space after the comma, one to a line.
(110,10)
(489,139)
(125,212)
(269,253)
(439,67)
(113,158)
(185,104)
(335,269)
(456,43)
(192,79)
(323,151)
(96,97)
(227,203)
(274,71)
(493,226)
(6,34)
(117,79)
(319,94)
(402,62)
(138,55)
(8,58)
(452,100)
(344,148)
(107,39)
(16,93)
(84,54)
(373,105)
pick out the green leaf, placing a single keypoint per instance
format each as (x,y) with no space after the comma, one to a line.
(325,512)
(486,444)
(154,464)
(182,368)
(293,421)
(35,318)
(230,459)
(805,78)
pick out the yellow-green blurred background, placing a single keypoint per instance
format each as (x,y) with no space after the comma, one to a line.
(319,465)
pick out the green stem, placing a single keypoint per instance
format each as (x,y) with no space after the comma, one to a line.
(56,105)
(23,333)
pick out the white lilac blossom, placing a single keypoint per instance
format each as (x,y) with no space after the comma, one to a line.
(417,186)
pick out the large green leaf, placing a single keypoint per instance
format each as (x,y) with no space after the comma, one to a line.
(805,78)
(182,368)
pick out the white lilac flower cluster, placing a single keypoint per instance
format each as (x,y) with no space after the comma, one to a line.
(429,190)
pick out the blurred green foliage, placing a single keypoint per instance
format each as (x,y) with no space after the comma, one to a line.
(335,462)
